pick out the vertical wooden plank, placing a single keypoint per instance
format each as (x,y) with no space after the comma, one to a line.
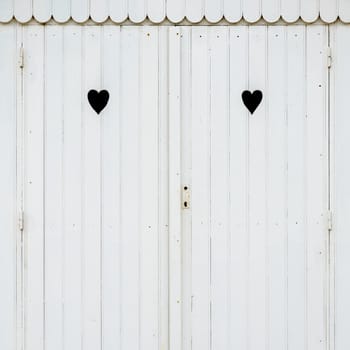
(110,187)
(61,10)
(219,186)
(20,171)
(156,10)
(194,10)
(53,187)
(341,188)
(42,10)
(200,191)
(271,10)
(72,187)
(91,192)
(118,10)
(8,206)
(251,10)
(137,10)
(99,10)
(290,10)
(175,10)
(214,10)
(34,187)
(344,11)
(257,309)
(23,10)
(232,11)
(329,10)
(80,10)
(130,187)
(309,10)
(296,187)
(6,10)
(316,160)
(175,239)
(276,134)
(163,205)
(149,192)
(239,234)
(186,180)
(331,239)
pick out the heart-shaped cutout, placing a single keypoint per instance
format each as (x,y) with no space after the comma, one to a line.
(98,100)
(252,100)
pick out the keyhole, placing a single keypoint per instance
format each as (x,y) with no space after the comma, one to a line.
(185,198)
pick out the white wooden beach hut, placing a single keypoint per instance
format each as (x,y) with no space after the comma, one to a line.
(171,212)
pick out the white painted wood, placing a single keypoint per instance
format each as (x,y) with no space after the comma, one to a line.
(271,10)
(309,10)
(238,244)
(8,207)
(186,179)
(316,160)
(130,189)
(245,263)
(251,10)
(91,196)
(110,190)
(266,246)
(6,10)
(219,187)
(22,10)
(20,132)
(195,10)
(99,10)
(232,11)
(163,202)
(344,11)
(156,10)
(34,188)
(80,10)
(149,191)
(296,70)
(257,229)
(200,190)
(137,10)
(329,10)
(118,10)
(175,190)
(72,187)
(42,10)
(61,10)
(340,182)
(276,189)
(175,10)
(54,278)
(290,10)
(214,10)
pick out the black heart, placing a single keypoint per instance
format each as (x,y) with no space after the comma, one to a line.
(252,100)
(98,100)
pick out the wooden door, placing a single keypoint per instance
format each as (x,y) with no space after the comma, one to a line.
(254,233)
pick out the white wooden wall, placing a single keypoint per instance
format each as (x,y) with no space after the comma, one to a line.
(94,189)
(246,264)
(340,175)
(175,10)
(254,258)
(8,190)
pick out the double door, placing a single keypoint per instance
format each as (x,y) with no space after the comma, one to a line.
(175,218)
